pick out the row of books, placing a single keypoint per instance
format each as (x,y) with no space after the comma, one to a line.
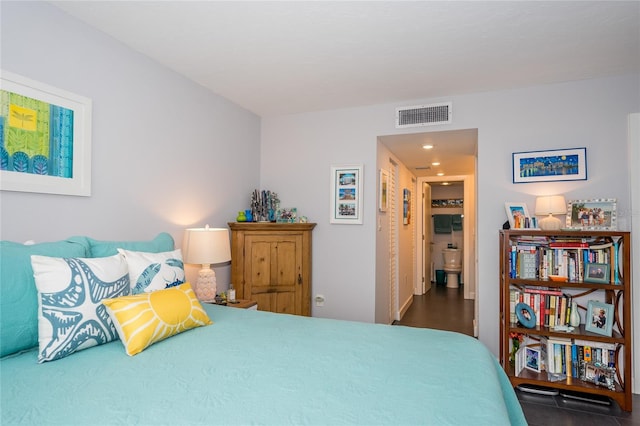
(552,308)
(568,259)
(567,356)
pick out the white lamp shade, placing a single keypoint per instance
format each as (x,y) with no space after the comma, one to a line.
(206,246)
(551,204)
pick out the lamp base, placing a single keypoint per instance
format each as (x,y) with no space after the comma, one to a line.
(550,223)
(206,285)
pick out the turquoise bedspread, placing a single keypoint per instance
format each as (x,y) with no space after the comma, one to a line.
(253,367)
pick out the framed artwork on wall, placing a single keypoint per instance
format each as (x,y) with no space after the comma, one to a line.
(549,166)
(406,207)
(45,138)
(346,194)
(383,191)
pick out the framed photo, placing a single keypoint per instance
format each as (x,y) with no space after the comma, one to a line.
(45,138)
(406,207)
(549,166)
(597,272)
(346,194)
(595,214)
(518,215)
(525,315)
(287,215)
(532,358)
(599,318)
(383,192)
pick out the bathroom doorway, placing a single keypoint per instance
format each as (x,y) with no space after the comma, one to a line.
(453,158)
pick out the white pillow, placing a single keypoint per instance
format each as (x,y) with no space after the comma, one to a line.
(71,316)
(154,271)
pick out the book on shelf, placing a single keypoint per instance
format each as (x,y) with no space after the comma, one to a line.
(566,356)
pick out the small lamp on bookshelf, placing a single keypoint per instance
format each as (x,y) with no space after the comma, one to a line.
(548,206)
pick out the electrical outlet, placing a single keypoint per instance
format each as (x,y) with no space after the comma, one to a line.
(319,300)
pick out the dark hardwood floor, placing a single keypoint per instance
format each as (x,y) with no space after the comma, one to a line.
(443,308)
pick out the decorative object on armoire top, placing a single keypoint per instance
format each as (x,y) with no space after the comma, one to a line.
(264,204)
(206,246)
(549,205)
(242,217)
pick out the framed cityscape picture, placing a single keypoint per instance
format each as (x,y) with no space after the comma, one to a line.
(549,166)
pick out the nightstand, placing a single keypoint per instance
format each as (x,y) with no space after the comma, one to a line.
(242,304)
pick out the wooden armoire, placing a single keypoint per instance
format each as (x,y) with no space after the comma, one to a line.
(271,264)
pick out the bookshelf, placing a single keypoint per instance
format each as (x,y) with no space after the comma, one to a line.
(587,267)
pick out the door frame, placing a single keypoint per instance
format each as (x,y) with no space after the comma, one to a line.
(468,233)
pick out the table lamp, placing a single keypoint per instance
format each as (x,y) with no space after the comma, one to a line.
(550,205)
(206,246)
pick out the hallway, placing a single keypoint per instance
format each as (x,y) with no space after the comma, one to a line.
(441,308)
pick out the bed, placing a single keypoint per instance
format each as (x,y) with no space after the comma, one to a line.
(253,367)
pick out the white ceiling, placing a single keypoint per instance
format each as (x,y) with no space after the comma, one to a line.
(287,57)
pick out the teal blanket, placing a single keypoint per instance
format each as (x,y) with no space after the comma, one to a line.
(253,367)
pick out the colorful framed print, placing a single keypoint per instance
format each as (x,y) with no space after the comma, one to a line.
(383,191)
(550,166)
(346,194)
(45,138)
(597,214)
(406,207)
(599,318)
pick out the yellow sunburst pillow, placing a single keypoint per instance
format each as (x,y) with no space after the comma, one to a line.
(144,319)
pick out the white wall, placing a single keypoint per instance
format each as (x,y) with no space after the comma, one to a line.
(167,154)
(589,113)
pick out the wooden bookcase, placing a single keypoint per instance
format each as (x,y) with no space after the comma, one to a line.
(617,292)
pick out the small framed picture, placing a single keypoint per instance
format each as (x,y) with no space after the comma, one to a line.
(532,359)
(518,215)
(599,318)
(597,273)
(525,315)
(597,214)
(383,195)
(287,215)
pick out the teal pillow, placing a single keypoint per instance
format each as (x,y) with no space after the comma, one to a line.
(18,294)
(163,242)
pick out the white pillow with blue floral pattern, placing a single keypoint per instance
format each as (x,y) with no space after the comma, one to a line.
(71,316)
(154,271)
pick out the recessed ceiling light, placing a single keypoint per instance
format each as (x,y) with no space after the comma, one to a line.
(436,163)
(440,174)
(427,146)
(446,183)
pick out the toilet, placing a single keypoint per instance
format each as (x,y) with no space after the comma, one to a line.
(452,266)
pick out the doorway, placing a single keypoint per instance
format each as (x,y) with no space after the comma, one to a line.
(455,153)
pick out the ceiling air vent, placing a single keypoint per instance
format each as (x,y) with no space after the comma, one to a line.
(423,115)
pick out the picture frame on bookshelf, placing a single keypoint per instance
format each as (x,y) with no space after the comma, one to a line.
(598,214)
(525,315)
(532,357)
(518,215)
(597,273)
(599,318)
